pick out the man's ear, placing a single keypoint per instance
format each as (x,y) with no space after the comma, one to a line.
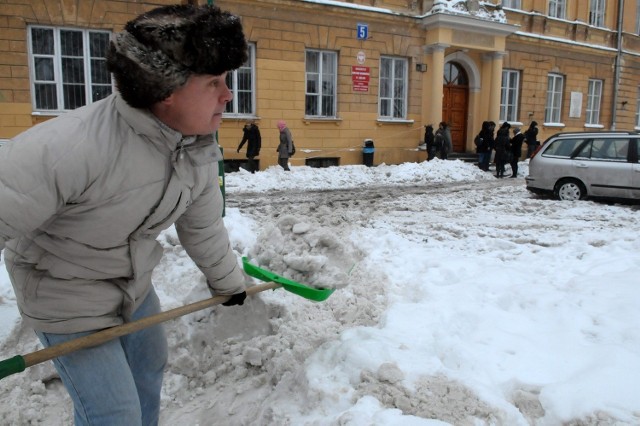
(168,100)
(160,108)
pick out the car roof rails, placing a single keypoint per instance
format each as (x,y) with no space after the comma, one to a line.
(598,132)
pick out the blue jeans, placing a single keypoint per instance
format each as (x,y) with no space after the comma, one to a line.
(118,382)
(483,160)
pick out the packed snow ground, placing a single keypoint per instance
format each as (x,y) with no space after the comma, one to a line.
(461,299)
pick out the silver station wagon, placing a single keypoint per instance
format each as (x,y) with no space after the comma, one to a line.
(575,166)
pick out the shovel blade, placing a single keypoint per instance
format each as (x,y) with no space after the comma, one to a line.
(311,293)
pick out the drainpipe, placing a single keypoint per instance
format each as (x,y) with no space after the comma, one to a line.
(616,80)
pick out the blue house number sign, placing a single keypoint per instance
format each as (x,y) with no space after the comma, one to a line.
(363,31)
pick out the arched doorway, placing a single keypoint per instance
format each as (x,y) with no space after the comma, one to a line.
(455,103)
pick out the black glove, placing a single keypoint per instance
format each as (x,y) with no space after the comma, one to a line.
(236,299)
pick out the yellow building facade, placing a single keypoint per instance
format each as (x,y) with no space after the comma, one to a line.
(340,72)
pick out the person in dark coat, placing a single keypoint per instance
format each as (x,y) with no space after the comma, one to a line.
(492,131)
(516,150)
(502,146)
(487,144)
(482,147)
(443,140)
(252,136)
(531,138)
(429,139)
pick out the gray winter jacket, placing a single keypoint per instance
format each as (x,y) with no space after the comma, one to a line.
(286,143)
(448,144)
(83,198)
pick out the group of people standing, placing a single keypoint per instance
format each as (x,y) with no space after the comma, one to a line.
(507,149)
(439,143)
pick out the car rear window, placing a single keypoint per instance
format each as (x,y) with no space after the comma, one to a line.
(614,149)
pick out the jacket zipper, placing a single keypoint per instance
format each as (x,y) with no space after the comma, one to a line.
(181,149)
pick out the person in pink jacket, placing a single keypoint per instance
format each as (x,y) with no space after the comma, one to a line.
(285,147)
(84,196)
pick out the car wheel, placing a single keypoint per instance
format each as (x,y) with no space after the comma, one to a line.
(570,190)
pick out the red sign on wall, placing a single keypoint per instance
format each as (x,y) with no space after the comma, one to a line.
(360,78)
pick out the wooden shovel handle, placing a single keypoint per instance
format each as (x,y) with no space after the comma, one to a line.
(105,335)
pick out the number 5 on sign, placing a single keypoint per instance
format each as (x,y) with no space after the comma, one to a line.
(363,31)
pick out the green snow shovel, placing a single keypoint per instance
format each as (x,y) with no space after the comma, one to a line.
(311,293)
(19,363)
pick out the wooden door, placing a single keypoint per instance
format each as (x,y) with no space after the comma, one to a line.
(455,104)
(454,113)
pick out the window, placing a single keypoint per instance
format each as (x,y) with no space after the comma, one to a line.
(509,96)
(557,8)
(393,88)
(454,75)
(513,4)
(605,149)
(68,67)
(554,98)
(594,97)
(321,82)
(322,162)
(565,148)
(242,83)
(596,12)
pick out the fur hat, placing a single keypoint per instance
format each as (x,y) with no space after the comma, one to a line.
(158,51)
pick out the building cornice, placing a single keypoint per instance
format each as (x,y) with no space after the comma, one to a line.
(468,23)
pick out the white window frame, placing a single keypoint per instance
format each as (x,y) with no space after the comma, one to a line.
(594,101)
(324,101)
(553,106)
(596,12)
(510,95)
(234,80)
(512,4)
(558,9)
(397,82)
(56,69)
